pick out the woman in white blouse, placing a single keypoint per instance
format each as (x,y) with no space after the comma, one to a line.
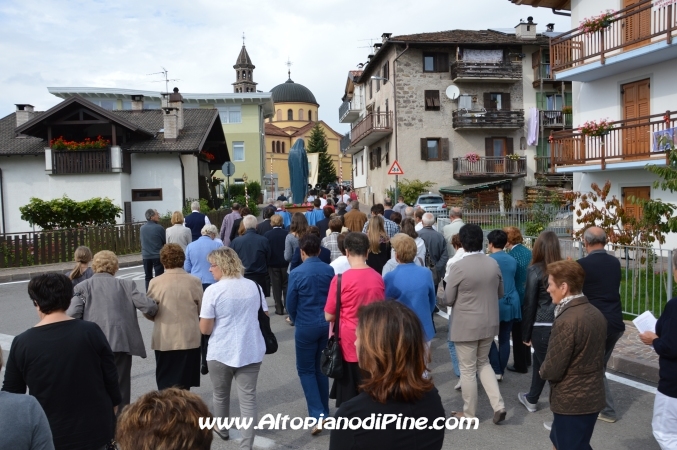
(236,347)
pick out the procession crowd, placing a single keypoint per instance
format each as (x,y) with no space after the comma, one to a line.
(369,283)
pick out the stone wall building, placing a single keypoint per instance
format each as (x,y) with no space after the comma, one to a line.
(453,107)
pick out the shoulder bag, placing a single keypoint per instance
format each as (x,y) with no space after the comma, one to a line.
(264,325)
(331,360)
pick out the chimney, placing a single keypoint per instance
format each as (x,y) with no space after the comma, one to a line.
(385,37)
(137,102)
(550,27)
(171,124)
(176,101)
(377,47)
(526,30)
(23,114)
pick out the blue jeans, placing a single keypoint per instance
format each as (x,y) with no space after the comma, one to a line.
(454,358)
(499,357)
(310,341)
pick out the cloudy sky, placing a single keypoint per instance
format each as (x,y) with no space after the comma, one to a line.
(101,43)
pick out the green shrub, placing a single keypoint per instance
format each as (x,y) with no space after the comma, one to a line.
(252,205)
(64,213)
(204,206)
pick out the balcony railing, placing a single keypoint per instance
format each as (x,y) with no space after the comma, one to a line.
(641,24)
(629,140)
(465,119)
(81,161)
(556,119)
(350,110)
(469,70)
(542,72)
(490,167)
(372,128)
(543,170)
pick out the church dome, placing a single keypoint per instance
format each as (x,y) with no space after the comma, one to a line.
(289,91)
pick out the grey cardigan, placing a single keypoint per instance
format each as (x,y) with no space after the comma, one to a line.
(474,286)
(111,303)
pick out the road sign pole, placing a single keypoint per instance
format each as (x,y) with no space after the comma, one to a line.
(396,196)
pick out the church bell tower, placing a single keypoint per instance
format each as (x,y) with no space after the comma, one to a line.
(244,72)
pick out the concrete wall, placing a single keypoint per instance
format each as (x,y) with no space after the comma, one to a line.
(24,177)
(159,171)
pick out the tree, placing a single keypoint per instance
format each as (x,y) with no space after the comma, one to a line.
(411,189)
(317,143)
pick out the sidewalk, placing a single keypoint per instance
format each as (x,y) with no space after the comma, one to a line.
(26,273)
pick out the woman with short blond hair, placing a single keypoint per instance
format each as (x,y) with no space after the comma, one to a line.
(229,314)
(392,355)
(111,303)
(177,233)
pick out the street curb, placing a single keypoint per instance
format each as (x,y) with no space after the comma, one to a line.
(22,275)
(634,367)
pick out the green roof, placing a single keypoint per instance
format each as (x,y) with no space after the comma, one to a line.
(462,188)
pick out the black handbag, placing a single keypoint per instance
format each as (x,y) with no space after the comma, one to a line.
(264,325)
(331,360)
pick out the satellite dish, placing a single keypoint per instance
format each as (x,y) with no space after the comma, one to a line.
(452,92)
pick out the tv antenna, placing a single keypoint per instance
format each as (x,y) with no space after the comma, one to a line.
(371,42)
(166,79)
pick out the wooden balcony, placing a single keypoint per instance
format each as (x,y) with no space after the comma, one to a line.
(639,25)
(506,72)
(81,161)
(544,172)
(556,119)
(371,129)
(463,119)
(490,167)
(629,140)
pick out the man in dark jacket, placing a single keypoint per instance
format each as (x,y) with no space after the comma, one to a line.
(153,237)
(196,220)
(265,226)
(323,224)
(435,245)
(254,252)
(602,287)
(277,265)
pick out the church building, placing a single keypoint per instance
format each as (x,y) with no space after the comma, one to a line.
(296,113)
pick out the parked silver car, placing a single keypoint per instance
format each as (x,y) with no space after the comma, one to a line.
(432,203)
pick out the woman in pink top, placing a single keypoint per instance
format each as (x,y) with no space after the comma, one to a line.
(360,285)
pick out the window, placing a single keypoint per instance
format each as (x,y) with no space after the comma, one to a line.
(310,116)
(283,149)
(362,163)
(434,149)
(272,149)
(300,114)
(371,88)
(497,101)
(238,151)
(387,108)
(435,62)
(498,146)
(378,85)
(432,100)
(290,114)
(378,157)
(386,70)
(230,114)
(279,115)
(279,148)
(387,153)
(238,74)
(146,195)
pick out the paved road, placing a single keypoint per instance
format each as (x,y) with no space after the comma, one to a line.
(279,391)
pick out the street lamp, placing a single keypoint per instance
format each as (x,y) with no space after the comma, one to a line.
(246,196)
(386,80)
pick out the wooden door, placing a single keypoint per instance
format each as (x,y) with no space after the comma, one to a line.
(636,27)
(636,104)
(638,192)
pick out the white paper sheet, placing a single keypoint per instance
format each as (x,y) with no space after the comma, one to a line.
(645,322)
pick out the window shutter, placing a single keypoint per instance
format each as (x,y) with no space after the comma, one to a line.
(371,160)
(540,100)
(487,100)
(378,157)
(568,101)
(505,102)
(488,146)
(442,62)
(536,58)
(509,149)
(444,150)
(424,149)
(128,212)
